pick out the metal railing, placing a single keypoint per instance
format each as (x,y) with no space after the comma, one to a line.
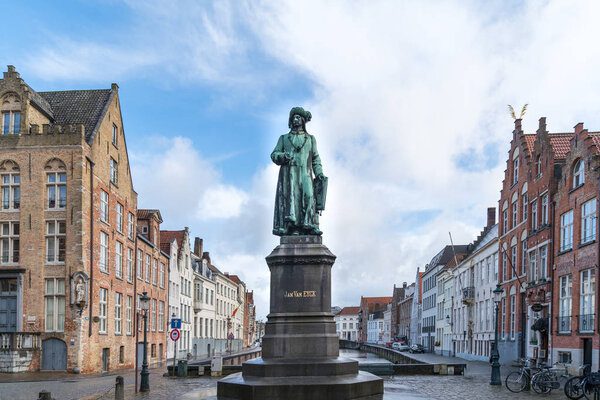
(468,293)
(586,323)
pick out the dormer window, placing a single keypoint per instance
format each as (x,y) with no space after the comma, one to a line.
(579,174)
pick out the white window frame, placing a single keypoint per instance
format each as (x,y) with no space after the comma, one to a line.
(161,279)
(147,268)
(515,170)
(161,316)
(119,209)
(114,171)
(103,259)
(128,316)
(513,308)
(11,191)
(139,269)
(118,259)
(56,190)
(579,173)
(54,314)
(533,273)
(55,239)
(587,300)
(545,209)
(565,301)
(129,264)
(102,310)
(566,231)
(588,221)
(130,226)
(524,204)
(10,232)
(104,206)
(534,215)
(544,262)
(115,138)
(118,312)
(14,122)
(515,213)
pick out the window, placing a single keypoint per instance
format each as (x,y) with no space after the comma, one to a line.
(538,166)
(56,232)
(504,221)
(102,309)
(11,191)
(129,265)
(103,206)
(544,262)
(118,259)
(153,315)
(587,303)
(11,122)
(532,267)
(103,252)
(504,266)
(128,315)
(139,264)
(147,269)
(130,226)
(56,188)
(9,242)
(154,272)
(523,256)
(503,319)
(534,215)
(566,231)
(579,174)
(119,217)
(524,202)
(515,170)
(513,307)
(121,354)
(114,171)
(564,357)
(564,304)
(588,221)
(161,316)
(55,305)
(115,135)
(118,300)
(495,264)
(513,259)
(161,280)
(515,214)
(545,209)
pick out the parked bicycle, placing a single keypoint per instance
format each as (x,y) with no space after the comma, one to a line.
(517,381)
(549,378)
(575,387)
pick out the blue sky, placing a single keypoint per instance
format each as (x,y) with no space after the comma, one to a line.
(408,101)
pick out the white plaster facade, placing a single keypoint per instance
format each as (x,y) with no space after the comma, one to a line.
(346,323)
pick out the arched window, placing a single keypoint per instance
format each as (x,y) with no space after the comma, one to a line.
(11,114)
(538,166)
(579,173)
(11,185)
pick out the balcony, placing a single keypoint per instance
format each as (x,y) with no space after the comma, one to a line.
(586,323)
(198,305)
(19,340)
(564,324)
(468,295)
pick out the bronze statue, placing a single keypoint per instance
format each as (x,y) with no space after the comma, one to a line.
(301,186)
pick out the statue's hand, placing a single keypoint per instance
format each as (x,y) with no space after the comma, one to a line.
(287,157)
(320,176)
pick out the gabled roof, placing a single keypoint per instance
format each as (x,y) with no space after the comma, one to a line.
(169,236)
(148,213)
(447,254)
(561,144)
(85,107)
(349,311)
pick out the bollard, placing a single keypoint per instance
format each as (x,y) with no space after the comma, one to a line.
(119,388)
(45,395)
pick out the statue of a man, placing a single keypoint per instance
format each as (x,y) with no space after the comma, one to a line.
(80,290)
(297,206)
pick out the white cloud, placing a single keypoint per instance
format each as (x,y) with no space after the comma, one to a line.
(400,91)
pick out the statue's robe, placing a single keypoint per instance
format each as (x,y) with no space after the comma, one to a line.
(295,211)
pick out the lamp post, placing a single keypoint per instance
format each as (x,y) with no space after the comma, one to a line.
(145,305)
(495,379)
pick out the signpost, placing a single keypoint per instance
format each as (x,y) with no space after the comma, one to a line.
(175,334)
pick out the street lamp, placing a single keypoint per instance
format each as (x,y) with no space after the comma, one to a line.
(495,379)
(145,305)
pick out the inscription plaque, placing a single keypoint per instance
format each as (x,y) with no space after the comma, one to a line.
(299,294)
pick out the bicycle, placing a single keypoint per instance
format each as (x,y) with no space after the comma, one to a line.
(575,387)
(517,381)
(549,378)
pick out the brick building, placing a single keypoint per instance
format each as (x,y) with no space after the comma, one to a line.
(397,297)
(405,313)
(68,225)
(575,337)
(152,277)
(369,305)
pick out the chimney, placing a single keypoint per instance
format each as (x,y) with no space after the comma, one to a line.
(404,285)
(198,246)
(579,128)
(206,255)
(491,217)
(542,125)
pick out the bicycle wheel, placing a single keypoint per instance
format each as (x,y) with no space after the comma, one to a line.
(574,388)
(540,383)
(590,390)
(516,381)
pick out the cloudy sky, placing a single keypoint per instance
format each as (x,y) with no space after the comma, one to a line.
(408,101)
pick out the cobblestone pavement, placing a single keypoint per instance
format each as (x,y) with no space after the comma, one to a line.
(474,386)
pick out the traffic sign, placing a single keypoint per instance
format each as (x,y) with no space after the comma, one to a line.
(175,323)
(175,335)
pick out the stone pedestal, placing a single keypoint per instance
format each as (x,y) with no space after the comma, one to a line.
(300,347)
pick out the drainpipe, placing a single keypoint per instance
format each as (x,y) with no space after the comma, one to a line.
(91,286)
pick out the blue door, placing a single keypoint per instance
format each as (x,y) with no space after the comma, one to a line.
(8,305)
(54,355)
